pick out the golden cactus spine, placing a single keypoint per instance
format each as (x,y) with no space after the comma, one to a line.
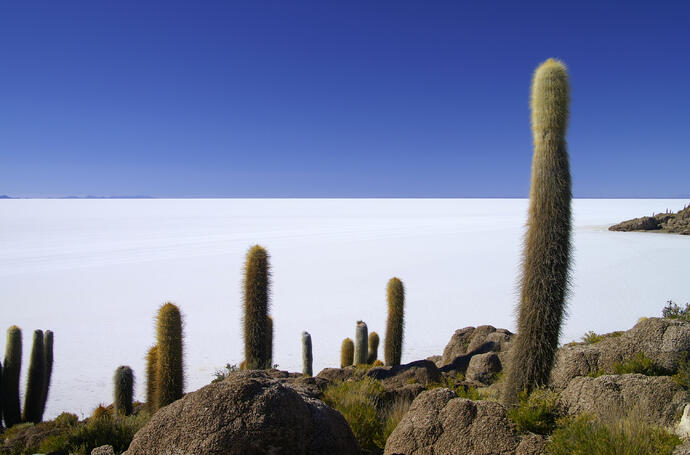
(169,367)
(256,306)
(546,256)
(395,325)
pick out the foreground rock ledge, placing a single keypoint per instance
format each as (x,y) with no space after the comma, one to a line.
(248,413)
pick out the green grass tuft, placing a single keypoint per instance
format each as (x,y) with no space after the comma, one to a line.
(592,337)
(536,412)
(641,364)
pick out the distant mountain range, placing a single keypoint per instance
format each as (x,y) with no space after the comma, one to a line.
(4,196)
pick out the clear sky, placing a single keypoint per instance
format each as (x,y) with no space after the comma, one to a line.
(344,99)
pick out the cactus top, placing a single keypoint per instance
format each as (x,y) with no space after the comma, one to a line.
(549,99)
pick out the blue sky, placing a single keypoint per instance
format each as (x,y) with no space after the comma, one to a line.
(336,99)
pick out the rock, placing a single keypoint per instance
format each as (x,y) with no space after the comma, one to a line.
(532,444)
(683,427)
(336,374)
(662,340)
(103,450)
(655,399)
(421,372)
(440,423)
(247,413)
(483,367)
(645,223)
(484,338)
(437,359)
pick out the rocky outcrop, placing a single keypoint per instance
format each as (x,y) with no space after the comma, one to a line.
(655,399)
(675,223)
(103,450)
(247,413)
(662,340)
(477,340)
(483,368)
(440,423)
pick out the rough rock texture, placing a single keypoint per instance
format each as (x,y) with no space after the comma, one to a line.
(336,374)
(477,340)
(440,423)
(483,368)
(532,444)
(676,223)
(662,340)
(248,413)
(103,450)
(420,372)
(655,399)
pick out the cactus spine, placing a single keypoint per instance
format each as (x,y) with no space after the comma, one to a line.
(361,343)
(392,350)
(151,365)
(124,390)
(35,383)
(546,257)
(10,377)
(256,305)
(306,355)
(48,348)
(347,353)
(373,347)
(169,368)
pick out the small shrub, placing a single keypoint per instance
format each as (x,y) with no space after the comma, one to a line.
(536,412)
(586,435)
(219,375)
(592,337)
(682,376)
(641,364)
(66,419)
(394,415)
(461,390)
(358,401)
(673,311)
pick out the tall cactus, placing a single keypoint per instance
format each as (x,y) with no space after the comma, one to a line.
(123,381)
(347,353)
(1,427)
(373,348)
(151,367)
(361,343)
(395,326)
(169,368)
(48,349)
(11,409)
(35,383)
(307,357)
(256,305)
(546,257)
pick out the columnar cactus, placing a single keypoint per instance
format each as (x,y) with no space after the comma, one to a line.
(169,368)
(151,365)
(10,377)
(392,350)
(35,383)
(373,348)
(269,340)
(361,343)
(124,390)
(48,348)
(546,257)
(307,357)
(256,306)
(347,353)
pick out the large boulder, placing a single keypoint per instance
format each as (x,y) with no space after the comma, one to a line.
(483,368)
(248,413)
(477,340)
(440,423)
(422,372)
(665,341)
(655,399)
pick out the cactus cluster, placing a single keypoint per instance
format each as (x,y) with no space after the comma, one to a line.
(546,257)
(38,377)
(392,350)
(258,337)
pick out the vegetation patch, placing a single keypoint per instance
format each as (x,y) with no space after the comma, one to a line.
(592,337)
(586,435)
(673,311)
(641,364)
(536,412)
(461,389)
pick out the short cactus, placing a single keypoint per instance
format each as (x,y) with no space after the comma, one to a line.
(256,305)
(392,350)
(169,368)
(124,390)
(11,409)
(347,353)
(48,349)
(373,348)
(361,343)
(151,365)
(35,384)
(306,355)
(546,257)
